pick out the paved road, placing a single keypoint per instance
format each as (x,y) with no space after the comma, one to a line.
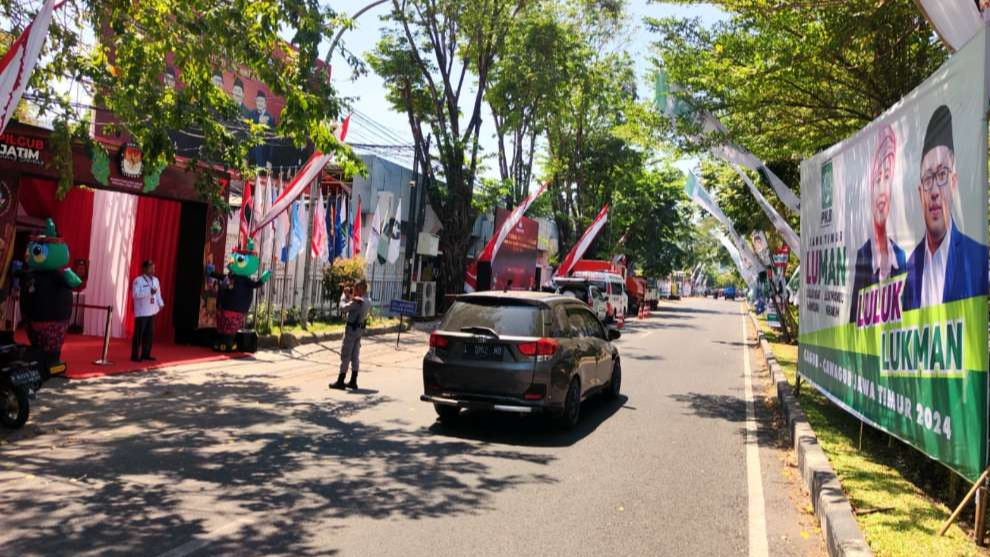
(259,458)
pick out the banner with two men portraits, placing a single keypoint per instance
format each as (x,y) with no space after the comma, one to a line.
(894,267)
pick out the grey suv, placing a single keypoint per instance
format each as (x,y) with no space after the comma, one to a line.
(523,352)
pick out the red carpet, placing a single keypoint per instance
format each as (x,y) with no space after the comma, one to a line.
(79,352)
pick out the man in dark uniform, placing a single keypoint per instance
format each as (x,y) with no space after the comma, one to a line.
(355,310)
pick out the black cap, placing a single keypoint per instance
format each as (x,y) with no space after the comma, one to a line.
(939,131)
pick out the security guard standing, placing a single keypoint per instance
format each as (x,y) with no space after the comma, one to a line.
(355,309)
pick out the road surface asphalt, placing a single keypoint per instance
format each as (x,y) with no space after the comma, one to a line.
(258,457)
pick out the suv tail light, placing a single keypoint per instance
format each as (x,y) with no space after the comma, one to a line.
(438,341)
(542,350)
(535,392)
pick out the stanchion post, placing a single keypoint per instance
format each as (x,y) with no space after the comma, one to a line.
(103,361)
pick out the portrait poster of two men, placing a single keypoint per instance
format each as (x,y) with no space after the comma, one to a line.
(895,267)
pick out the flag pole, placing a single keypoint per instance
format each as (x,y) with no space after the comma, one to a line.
(285,274)
(308,264)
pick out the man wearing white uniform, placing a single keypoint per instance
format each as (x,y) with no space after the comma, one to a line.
(147,303)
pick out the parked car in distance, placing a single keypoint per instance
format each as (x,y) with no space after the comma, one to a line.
(729,293)
(588,293)
(521,352)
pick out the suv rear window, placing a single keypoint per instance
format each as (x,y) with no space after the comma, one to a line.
(506,319)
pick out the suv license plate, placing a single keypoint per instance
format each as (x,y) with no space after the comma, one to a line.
(484,351)
(24,377)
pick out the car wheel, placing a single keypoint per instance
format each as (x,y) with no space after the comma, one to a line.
(615,383)
(572,406)
(447,414)
(13,407)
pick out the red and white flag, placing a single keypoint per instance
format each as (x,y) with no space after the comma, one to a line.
(319,245)
(517,214)
(247,208)
(577,252)
(491,249)
(310,171)
(17,65)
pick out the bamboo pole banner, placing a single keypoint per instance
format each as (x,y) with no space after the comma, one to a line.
(577,252)
(310,171)
(894,241)
(712,131)
(19,61)
(954,21)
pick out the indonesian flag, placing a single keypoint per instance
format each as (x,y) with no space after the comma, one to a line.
(319,243)
(247,207)
(310,171)
(18,63)
(517,214)
(577,252)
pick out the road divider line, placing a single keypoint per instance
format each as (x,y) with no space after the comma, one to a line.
(758,546)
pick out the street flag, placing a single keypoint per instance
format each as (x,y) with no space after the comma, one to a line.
(318,247)
(491,249)
(783,228)
(377,220)
(18,63)
(385,235)
(675,107)
(582,245)
(395,235)
(340,244)
(354,218)
(296,235)
(697,193)
(954,21)
(744,270)
(282,225)
(310,171)
(247,207)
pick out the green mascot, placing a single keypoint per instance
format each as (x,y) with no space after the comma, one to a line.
(236,293)
(46,296)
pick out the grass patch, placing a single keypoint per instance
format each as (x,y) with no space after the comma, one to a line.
(881,476)
(332,327)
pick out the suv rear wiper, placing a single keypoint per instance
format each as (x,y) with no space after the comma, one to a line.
(480,330)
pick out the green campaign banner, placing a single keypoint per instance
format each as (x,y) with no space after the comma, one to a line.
(894,267)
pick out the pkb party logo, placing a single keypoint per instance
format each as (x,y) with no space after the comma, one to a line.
(826,217)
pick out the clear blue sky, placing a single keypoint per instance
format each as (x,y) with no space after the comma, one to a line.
(368,91)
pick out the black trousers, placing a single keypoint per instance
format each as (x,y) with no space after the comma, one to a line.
(144,332)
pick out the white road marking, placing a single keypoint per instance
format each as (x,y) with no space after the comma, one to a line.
(758,546)
(206,539)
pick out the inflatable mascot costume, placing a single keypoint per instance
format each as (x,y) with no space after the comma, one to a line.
(46,295)
(236,293)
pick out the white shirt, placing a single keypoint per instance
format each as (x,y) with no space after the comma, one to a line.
(146,304)
(933,277)
(884,274)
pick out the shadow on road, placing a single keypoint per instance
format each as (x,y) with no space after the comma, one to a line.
(722,407)
(146,466)
(530,431)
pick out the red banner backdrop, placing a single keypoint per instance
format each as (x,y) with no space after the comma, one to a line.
(156,237)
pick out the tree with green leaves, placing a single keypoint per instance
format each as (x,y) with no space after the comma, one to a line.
(436,59)
(791,78)
(124,72)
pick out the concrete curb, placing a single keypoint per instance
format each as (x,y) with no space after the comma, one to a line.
(289,340)
(843,537)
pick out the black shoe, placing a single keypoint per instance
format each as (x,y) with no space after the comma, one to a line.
(149,359)
(352,385)
(136,360)
(338,385)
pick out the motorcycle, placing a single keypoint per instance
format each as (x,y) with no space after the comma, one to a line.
(21,376)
